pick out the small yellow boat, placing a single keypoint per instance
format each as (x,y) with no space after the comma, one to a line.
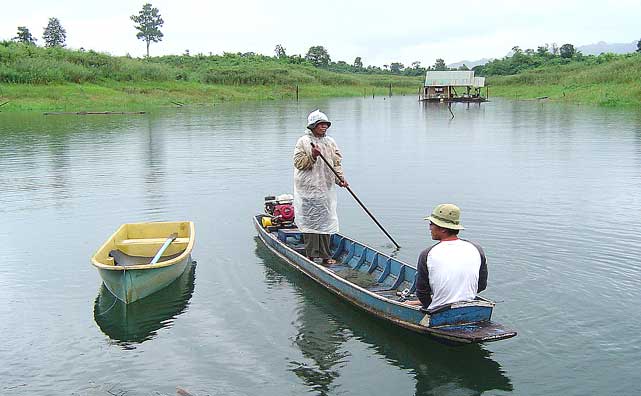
(141,258)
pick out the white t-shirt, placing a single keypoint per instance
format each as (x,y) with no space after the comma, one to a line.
(453,268)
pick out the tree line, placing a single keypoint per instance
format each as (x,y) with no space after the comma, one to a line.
(148,22)
(545,55)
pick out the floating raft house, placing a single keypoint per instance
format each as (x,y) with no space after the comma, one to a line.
(453,86)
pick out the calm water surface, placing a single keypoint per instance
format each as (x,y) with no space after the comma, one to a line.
(553,193)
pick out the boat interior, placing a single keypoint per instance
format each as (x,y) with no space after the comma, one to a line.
(136,244)
(361,265)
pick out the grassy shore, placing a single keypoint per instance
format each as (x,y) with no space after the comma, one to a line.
(57,79)
(148,95)
(614,83)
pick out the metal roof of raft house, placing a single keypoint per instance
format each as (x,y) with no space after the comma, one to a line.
(441,86)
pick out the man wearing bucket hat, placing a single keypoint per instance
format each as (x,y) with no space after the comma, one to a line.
(452,270)
(314,192)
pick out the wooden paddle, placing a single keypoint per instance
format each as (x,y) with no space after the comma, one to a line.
(164,247)
(357,200)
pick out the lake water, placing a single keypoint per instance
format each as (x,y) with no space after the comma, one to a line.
(552,191)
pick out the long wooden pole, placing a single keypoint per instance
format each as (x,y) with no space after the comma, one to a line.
(358,200)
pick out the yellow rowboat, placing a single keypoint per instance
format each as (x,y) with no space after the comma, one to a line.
(141,258)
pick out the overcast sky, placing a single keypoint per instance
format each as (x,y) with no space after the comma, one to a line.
(380,32)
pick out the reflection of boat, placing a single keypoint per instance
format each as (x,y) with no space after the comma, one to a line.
(139,321)
(123,261)
(373,281)
(327,324)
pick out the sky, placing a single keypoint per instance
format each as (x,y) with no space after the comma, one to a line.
(380,32)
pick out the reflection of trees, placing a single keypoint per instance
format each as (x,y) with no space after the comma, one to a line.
(326,322)
(129,324)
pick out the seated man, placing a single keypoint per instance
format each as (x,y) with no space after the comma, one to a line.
(452,270)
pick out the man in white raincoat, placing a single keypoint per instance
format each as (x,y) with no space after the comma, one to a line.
(314,192)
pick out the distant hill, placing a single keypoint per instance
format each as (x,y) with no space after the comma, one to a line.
(469,64)
(602,46)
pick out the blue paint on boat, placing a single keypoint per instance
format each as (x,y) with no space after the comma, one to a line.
(375,282)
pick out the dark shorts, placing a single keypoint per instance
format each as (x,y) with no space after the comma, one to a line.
(317,245)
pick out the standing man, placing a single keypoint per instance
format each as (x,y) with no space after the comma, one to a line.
(454,269)
(314,192)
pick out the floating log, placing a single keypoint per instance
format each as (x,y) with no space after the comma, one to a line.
(93,112)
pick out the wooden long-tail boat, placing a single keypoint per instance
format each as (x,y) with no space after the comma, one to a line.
(383,286)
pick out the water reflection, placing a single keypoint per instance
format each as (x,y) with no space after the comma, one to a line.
(130,324)
(325,323)
(154,157)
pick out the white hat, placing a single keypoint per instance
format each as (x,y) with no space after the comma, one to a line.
(315,117)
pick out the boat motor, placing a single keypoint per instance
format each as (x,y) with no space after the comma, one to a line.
(280,210)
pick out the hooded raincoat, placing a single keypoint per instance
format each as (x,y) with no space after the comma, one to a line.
(314,191)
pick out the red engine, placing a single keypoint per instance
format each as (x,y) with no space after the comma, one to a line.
(284,212)
(280,209)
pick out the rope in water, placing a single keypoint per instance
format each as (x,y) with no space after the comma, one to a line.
(112,305)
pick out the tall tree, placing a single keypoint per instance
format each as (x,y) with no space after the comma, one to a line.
(567,51)
(440,65)
(24,36)
(639,46)
(148,25)
(318,55)
(280,51)
(358,62)
(54,34)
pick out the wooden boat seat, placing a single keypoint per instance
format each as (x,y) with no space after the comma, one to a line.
(149,241)
(125,260)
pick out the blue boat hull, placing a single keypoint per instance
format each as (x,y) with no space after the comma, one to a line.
(374,281)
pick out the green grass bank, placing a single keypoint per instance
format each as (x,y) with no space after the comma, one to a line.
(613,83)
(57,79)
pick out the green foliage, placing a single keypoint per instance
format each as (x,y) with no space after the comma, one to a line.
(54,34)
(567,51)
(440,65)
(21,63)
(639,46)
(529,59)
(279,51)
(358,62)
(148,25)
(318,56)
(24,36)
(607,79)
(396,67)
